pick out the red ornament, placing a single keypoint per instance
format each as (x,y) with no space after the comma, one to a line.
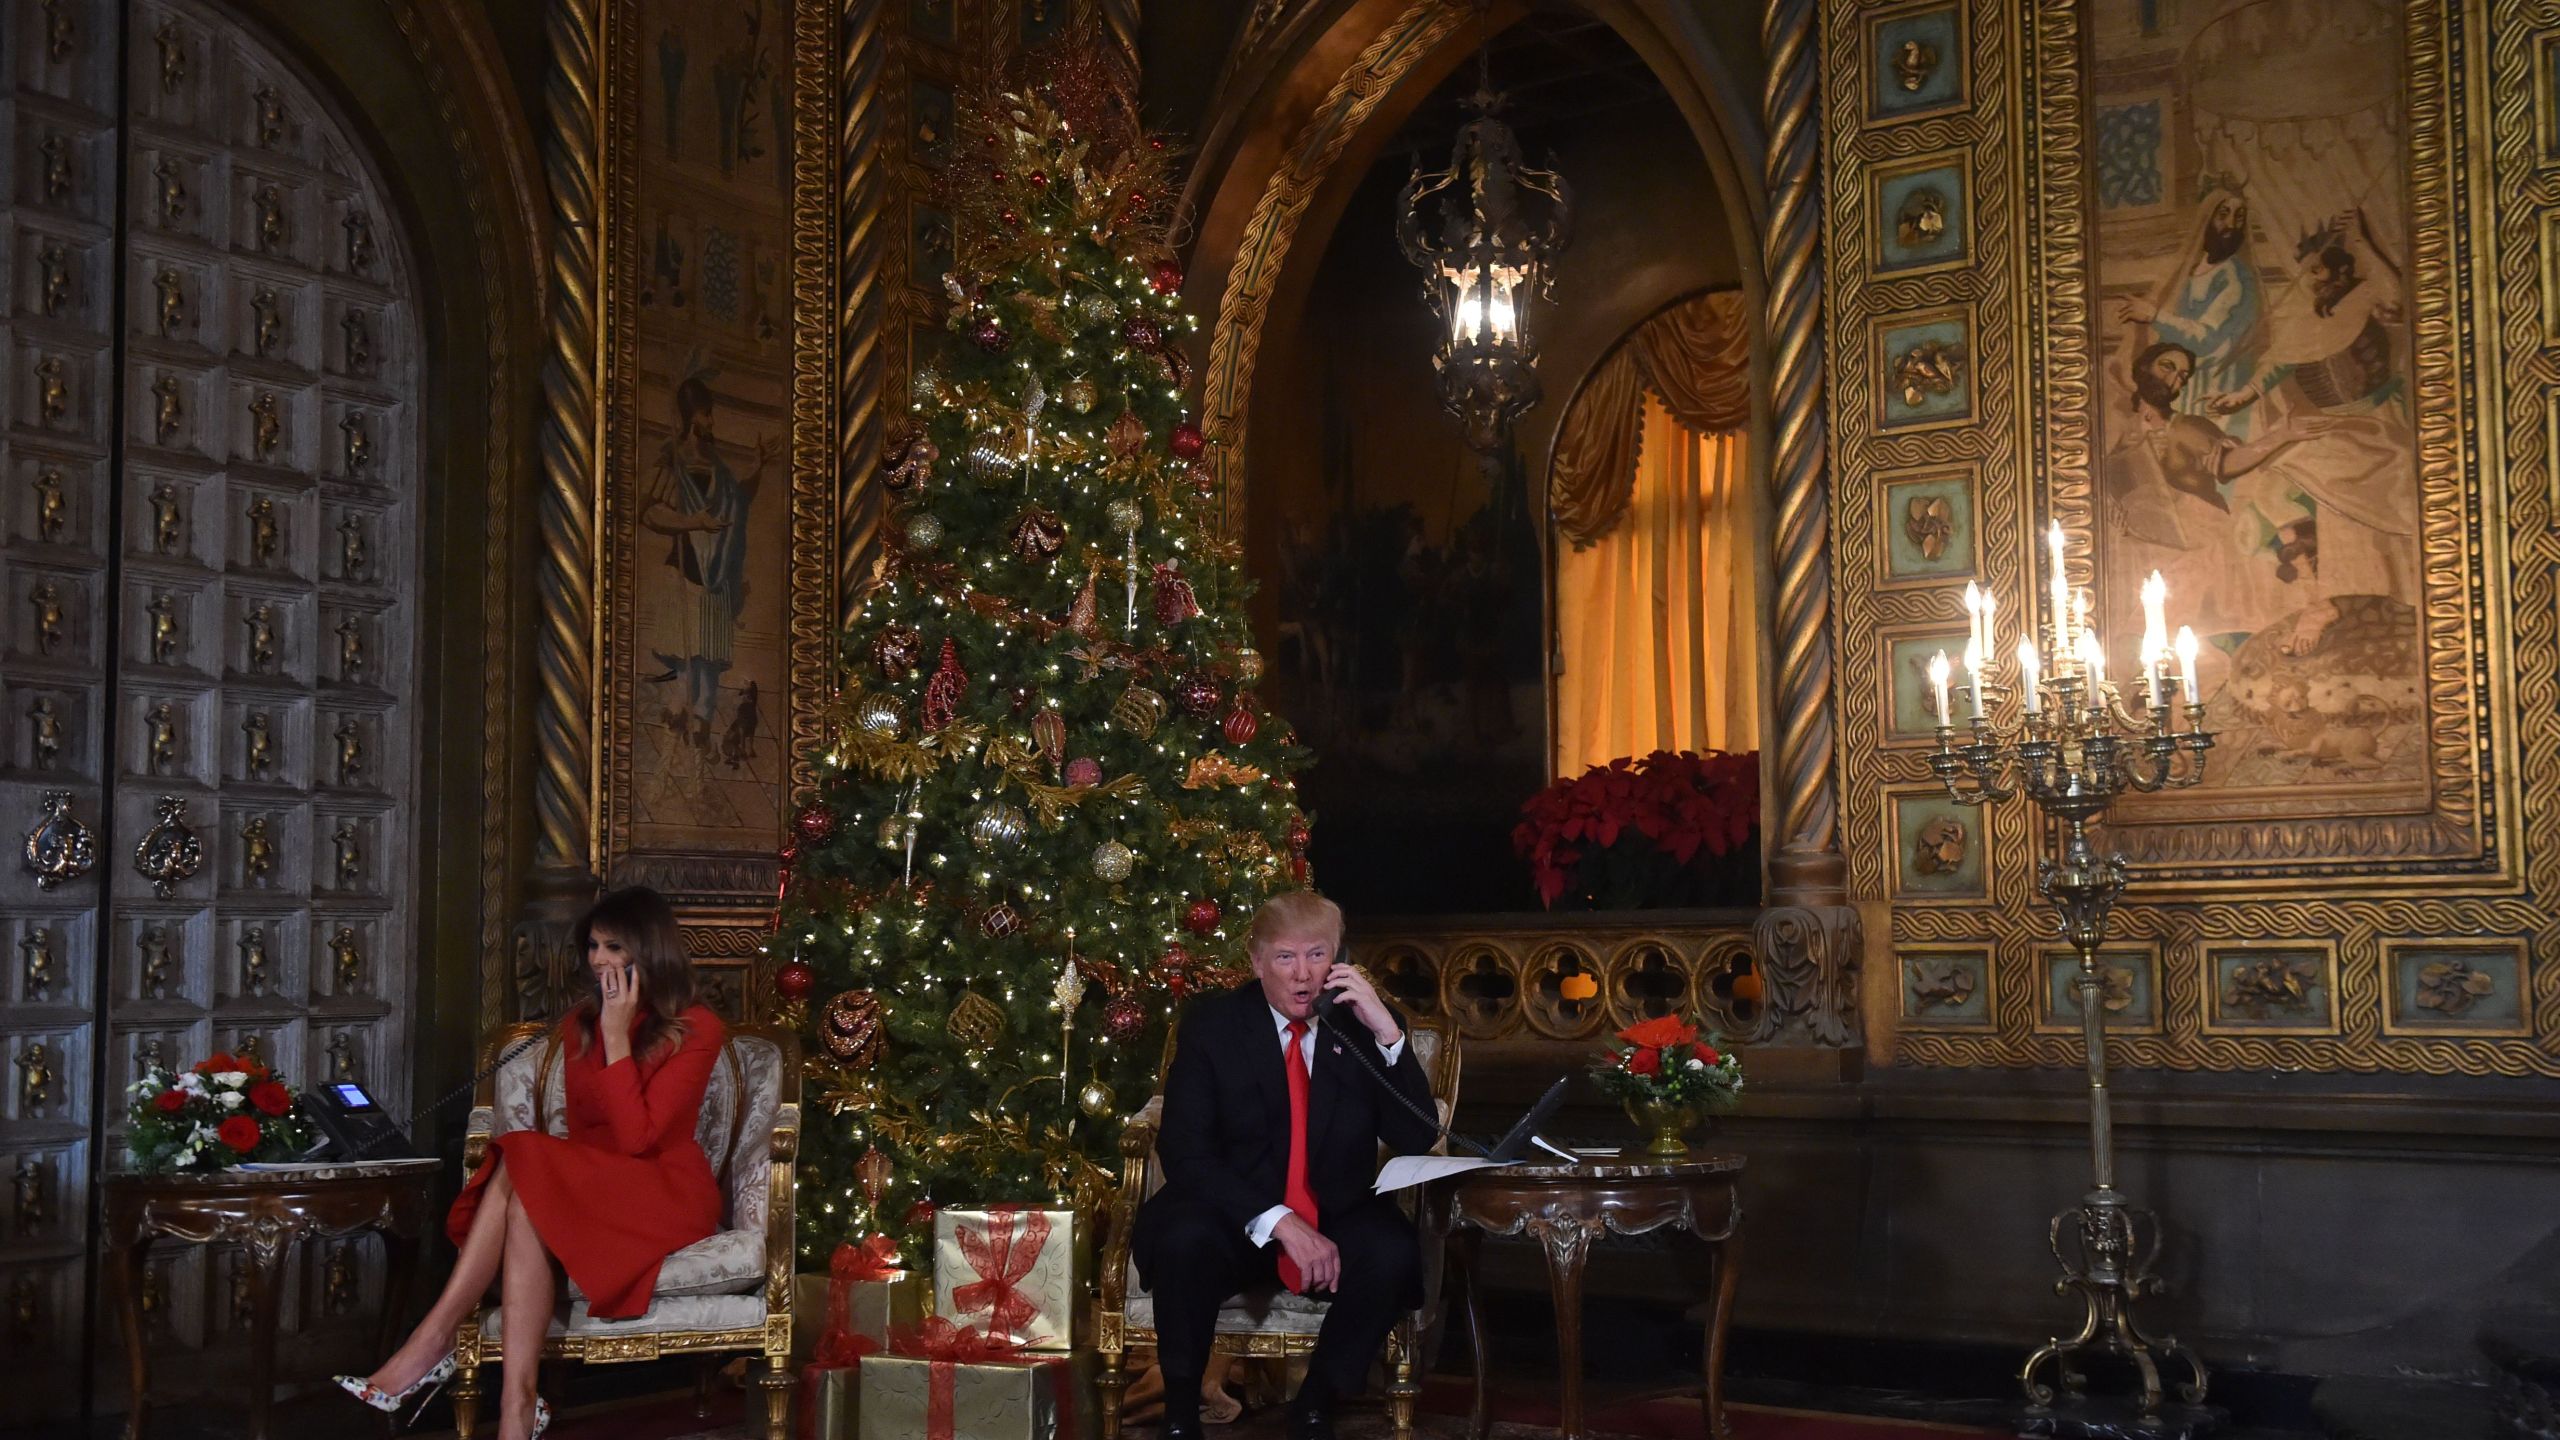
(921,1214)
(1201,916)
(1176,956)
(1187,441)
(944,692)
(1165,278)
(1039,180)
(1143,332)
(1298,868)
(816,824)
(1241,723)
(1298,834)
(1203,484)
(794,980)
(1124,1019)
(1177,984)
(1137,198)
(1197,693)
(989,336)
(1084,770)
(1009,218)
(1175,600)
(1000,921)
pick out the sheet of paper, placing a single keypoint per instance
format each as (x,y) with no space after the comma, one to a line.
(1406,1171)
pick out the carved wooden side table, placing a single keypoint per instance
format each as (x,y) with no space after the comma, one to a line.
(1566,1208)
(265,1212)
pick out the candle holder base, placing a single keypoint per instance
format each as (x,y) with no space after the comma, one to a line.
(2118,1419)
(2106,1249)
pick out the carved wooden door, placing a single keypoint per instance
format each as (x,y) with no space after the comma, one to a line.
(211,649)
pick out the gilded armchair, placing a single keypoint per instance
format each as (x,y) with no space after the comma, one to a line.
(729,1292)
(1262,1322)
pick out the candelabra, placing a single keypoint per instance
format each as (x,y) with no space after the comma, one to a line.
(2072,745)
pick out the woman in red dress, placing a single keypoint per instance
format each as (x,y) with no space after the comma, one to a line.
(638,1055)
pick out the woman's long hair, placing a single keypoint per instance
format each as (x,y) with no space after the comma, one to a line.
(646,924)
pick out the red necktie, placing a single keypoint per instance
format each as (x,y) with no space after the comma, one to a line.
(1297,1196)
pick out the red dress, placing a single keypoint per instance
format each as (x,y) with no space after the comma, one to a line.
(630,1185)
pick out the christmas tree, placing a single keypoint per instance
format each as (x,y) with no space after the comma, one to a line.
(1050,797)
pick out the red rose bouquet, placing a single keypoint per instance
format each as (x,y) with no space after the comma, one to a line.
(225,1110)
(1671,829)
(1664,1060)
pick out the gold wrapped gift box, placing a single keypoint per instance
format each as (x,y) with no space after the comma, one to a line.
(1018,1273)
(1034,1397)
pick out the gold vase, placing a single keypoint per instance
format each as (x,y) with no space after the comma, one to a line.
(1665,1123)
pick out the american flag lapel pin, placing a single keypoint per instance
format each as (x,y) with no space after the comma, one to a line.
(1337,1047)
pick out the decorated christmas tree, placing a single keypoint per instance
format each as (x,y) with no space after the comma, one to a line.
(1050,797)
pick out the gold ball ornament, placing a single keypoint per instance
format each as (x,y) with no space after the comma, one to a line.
(879,715)
(1248,663)
(1139,711)
(893,833)
(1096,1099)
(1079,394)
(998,826)
(1125,515)
(1097,308)
(1113,862)
(923,532)
(851,1029)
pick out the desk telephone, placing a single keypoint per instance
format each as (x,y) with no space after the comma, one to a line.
(353,1125)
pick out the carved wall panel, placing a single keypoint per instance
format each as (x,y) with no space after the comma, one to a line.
(232,665)
(2378,662)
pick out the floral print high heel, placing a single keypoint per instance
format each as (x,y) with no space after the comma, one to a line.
(423,1389)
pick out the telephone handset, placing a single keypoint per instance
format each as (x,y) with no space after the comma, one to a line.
(353,1125)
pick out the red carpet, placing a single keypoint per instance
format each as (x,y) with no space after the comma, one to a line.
(1519,1416)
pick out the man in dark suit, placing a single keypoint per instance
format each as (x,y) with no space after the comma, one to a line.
(1269,1159)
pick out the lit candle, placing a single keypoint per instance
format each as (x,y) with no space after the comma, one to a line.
(2093,658)
(2061,598)
(1938,681)
(2030,672)
(2187,665)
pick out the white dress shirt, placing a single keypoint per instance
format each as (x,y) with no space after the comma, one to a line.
(1259,1231)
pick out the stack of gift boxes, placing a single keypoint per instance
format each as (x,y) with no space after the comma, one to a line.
(984,1350)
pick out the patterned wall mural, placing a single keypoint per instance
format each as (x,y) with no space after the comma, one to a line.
(2232,330)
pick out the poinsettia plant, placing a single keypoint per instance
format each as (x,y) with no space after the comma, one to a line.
(1664,1058)
(224,1110)
(1645,833)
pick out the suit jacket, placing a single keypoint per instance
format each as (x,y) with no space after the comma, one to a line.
(1224,1139)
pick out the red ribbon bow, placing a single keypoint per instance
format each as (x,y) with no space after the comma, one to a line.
(1002,1259)
(948,1347)
(874,1259)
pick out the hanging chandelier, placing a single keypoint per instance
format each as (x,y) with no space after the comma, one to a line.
(1485,232)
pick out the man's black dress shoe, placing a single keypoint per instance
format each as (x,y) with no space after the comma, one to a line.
(1179,1430)
(1310,1422)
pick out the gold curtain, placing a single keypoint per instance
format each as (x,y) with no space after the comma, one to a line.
(1695,358)
(1657,620)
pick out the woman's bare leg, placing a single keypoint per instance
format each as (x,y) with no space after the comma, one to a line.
(472,1272)
(525,1294)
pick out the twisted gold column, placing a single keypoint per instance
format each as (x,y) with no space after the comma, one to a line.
(1806,942)
(564,647)
(863,287)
